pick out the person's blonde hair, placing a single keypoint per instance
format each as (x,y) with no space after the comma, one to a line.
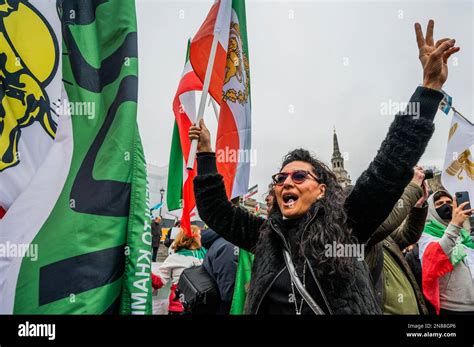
(183,241)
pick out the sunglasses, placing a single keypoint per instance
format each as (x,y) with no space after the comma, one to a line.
(298,176)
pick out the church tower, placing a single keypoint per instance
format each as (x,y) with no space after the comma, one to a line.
(338,164)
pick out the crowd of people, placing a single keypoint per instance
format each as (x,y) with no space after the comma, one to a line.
(418,253)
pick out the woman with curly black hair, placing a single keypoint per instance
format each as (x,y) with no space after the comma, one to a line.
(298,268)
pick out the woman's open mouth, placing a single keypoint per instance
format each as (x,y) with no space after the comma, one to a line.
(289,200)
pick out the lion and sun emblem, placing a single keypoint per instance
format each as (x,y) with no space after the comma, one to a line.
(28,63)
(461,164)
(237,66)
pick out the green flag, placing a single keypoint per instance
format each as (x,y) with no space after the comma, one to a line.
(86,209)
(242,281)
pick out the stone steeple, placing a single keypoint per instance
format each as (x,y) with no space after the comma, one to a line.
(338,164)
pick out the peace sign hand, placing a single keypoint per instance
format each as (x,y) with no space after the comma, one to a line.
(434,57)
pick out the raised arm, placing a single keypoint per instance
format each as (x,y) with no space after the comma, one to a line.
(402,209)
(412,227)
(236,225)
(382,184)
(450,237)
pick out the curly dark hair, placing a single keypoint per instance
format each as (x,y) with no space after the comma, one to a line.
(332,226)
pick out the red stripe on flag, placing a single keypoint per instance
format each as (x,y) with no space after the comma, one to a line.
(199,57)
(249,195)
(435,265)
(189,201)
(183,122)
(189,82)
(207,27)
(227,147)
(201,49)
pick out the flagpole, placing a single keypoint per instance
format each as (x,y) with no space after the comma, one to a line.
(460,115)
(205,92)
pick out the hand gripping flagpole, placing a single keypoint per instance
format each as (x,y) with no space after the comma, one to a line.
(205,91)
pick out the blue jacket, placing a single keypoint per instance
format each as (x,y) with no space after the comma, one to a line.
(220,262)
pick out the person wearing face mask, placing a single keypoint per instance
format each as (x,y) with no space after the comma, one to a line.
(296,269)
(446,251)
(440,210)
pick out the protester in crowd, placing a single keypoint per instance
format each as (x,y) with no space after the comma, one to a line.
(395,285)
(187,252)
(155,236)
(412,256)
(269,198)
(221,264)
(171,234)
(446,251)
(311,213)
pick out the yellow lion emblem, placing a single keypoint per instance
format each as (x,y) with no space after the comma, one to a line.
(462,163)
(236,64)
(233,66)
(28,62)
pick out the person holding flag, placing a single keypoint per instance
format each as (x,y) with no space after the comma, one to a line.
(217,64)
(292,271)
(446,251)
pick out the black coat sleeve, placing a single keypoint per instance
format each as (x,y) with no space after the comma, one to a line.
(381,185)
(236,225)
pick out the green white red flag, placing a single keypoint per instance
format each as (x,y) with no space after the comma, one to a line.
(180,179)
(436,263)
(230,87)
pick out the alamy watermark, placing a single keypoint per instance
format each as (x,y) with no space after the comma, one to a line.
(392,108)
(228,155)
(84,108)
(15,250)
(28,329)
(346,250)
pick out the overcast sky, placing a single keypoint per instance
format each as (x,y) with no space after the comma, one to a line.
(313,65)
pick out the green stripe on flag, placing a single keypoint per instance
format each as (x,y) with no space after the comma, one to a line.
(239,7)
(175,173)
(436,229)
